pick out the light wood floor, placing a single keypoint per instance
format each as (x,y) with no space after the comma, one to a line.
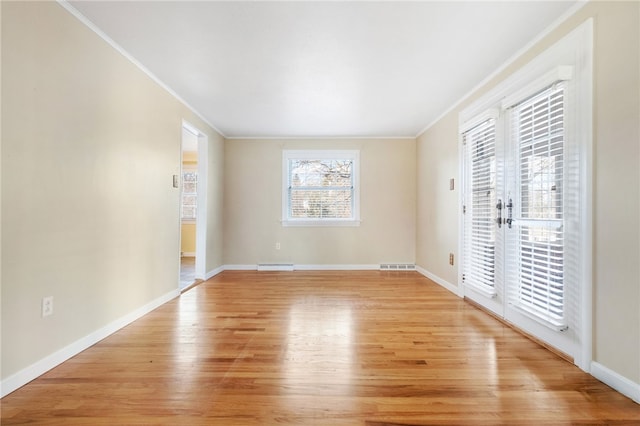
(317,348)
(187,271)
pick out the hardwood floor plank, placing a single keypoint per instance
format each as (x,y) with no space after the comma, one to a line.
(317,348)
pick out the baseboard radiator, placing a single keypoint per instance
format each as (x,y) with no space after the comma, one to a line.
(397,267)
(275,266)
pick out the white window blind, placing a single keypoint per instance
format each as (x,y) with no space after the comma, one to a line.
(538,128)
(480,205)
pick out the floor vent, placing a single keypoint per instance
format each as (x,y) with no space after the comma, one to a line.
(397,267)
(275,266)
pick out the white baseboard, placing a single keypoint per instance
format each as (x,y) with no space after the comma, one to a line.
(240,267)
(616,381)
(37,369)
(444,283)
(338,267)
(213,272)
(274,267)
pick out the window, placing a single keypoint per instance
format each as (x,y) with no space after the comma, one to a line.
(526,250)
(189,195)
(320,188)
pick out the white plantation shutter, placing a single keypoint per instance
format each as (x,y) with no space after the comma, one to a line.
(480,200)
(537,127)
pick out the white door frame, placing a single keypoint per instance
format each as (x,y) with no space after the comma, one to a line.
(575,49)
(201,211)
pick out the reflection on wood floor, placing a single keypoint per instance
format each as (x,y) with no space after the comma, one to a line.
(187,271)
(317,348)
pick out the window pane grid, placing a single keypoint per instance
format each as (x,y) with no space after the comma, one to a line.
(320,189)
(189,195)
(320,204)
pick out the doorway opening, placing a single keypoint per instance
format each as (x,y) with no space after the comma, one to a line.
(192,206)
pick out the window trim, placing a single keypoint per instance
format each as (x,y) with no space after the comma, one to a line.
(289,154)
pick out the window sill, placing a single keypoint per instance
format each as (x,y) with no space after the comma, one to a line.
(320,223)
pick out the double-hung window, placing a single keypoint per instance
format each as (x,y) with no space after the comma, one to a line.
(320,188)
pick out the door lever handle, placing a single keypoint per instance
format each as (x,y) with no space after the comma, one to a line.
(509,219)
(499,218)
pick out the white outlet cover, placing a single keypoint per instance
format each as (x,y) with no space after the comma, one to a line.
(47,306)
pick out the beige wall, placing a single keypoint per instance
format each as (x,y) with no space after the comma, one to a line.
(189,158)
(437,205)
(253,206)
(215,190)
(188,238)
(616,210)
(89,215)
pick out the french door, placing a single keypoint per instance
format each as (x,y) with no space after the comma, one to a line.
(519,183)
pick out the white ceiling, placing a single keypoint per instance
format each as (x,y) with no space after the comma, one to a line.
(312,69)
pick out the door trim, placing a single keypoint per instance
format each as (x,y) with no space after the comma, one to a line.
(201,211)
(576,49)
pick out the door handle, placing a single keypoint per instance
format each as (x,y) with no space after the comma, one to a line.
(509,219)
(499,218)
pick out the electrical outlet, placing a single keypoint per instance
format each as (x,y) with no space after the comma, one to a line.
(451,259)
(277,246)
(47,306)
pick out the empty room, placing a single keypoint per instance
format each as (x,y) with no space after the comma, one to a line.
(378,213)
